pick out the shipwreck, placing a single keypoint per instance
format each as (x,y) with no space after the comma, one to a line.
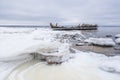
(78,27)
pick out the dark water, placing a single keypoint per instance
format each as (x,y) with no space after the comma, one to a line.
(102,31)
(108,31)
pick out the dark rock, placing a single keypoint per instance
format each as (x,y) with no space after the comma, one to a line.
(109,35)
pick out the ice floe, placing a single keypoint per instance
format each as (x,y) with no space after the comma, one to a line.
(101,41)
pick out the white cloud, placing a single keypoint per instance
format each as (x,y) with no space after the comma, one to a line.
(103,12)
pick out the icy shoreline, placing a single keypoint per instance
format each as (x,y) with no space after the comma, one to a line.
(84,66)
(17,47)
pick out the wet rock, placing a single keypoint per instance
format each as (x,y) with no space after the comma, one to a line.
(109,35)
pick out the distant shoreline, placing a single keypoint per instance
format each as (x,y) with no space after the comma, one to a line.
(47,26)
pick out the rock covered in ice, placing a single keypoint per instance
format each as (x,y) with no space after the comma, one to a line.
(101,41)
(54,58)
(117,36)
(57,56)
(117,40)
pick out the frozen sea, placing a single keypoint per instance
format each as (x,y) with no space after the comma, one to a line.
(17,63)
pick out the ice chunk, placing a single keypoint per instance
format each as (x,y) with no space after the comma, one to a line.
(117,40)
(51,56)
(101,41)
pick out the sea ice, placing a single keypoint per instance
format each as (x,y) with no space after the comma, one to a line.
(8,65)
(84,66)
(101,41)
(16,48)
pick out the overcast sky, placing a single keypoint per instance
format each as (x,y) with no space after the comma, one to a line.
(102,12)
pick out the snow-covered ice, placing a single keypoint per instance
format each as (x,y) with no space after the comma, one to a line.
(16,45)
(8,65)
(85,66)
(101,41)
